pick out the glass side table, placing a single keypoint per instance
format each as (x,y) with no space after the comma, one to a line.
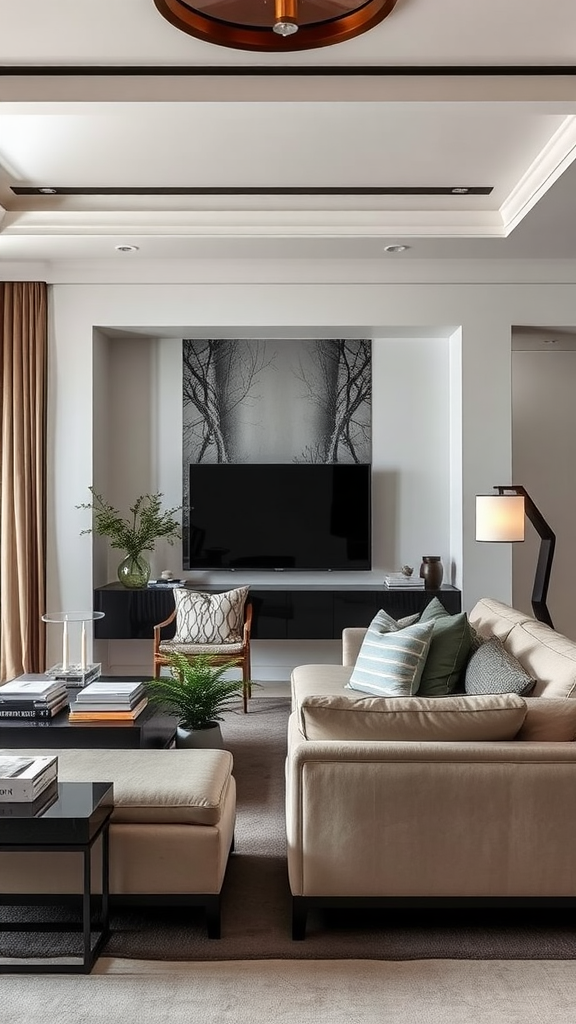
(74,673)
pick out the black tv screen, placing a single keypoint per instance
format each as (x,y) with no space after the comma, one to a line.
(291,516)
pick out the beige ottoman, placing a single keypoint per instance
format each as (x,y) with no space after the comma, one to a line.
(171,832)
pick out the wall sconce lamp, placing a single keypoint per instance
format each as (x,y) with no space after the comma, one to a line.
(500,517)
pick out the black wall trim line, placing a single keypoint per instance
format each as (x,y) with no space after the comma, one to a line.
(330,71)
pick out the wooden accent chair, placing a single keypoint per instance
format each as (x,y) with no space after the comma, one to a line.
(221,653)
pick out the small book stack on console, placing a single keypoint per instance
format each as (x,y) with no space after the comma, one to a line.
(399,579)
(109,702)
(166,583)
(33,696)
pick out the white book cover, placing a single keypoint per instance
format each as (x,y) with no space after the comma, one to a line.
(31,777)
(126,692)
(34,688)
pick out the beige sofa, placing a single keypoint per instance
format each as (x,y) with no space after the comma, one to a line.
(171,830)
(435,800)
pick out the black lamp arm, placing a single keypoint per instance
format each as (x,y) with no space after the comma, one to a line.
(545,556)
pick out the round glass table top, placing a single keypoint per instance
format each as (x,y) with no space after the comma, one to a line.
(72,616)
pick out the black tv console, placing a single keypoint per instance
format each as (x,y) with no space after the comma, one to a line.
(295,612)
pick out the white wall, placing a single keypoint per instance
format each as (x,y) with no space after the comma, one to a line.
(544,433)
(437,492)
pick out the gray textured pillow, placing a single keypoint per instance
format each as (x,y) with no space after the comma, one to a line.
(209,618)
(492,669)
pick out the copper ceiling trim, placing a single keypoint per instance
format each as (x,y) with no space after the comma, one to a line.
(325,30)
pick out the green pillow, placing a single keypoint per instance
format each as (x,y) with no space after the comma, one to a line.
(434,610)
(449,650)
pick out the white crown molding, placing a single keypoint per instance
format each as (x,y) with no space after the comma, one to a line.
(558,153)
(264,223)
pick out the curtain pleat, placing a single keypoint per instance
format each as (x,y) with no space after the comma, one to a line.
(23,385)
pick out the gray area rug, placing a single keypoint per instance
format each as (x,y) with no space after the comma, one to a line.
(256,913)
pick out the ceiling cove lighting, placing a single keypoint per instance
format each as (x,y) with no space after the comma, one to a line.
(500,519)
(274,25)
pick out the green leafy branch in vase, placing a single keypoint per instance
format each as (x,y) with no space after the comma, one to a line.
(147,523)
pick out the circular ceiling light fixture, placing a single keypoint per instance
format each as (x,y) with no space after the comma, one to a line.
(275,25)
(396,248)
(48,191)
(126,248)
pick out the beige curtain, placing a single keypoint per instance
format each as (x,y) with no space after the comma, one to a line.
(23,372)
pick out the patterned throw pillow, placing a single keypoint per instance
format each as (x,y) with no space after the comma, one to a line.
(209,618)
(390,664)
(492,669)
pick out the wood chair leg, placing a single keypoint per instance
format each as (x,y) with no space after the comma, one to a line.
(246,688)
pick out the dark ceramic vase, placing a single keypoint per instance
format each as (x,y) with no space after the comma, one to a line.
(432,572)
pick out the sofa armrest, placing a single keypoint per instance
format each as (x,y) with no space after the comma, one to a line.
(352,638)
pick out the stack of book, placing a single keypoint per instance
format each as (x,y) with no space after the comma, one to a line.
(109,702)
(32,696)
(24,779)
(166,583)
(398,579)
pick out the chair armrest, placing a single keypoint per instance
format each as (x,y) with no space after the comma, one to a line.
(247,622)
(160,626)
(352,638)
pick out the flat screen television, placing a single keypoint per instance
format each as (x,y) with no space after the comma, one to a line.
(292,516)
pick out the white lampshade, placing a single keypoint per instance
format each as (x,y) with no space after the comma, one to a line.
(500,517)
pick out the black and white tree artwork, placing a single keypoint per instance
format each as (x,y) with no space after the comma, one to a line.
(250,400)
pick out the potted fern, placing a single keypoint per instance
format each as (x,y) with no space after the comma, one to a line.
(135,533)
(196,692)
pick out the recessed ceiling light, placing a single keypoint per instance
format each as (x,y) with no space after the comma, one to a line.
(126,248)
(396,248)
(48,191)
(460,191)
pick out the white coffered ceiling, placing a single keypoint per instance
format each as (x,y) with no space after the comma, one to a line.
(189,150)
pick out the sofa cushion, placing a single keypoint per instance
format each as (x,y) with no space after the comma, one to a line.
(209,618)
(185,787)
(391,663)
(492,669)
(547,655)
(421,719)
(549,720)
(494,618)
(449,650)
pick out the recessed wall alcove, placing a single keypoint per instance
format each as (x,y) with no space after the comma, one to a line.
(137,448)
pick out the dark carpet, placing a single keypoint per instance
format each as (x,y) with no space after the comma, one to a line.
(256,911)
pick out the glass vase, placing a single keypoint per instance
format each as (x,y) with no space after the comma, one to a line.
(134,571)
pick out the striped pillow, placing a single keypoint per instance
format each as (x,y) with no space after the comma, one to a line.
(390,664)
(209,618)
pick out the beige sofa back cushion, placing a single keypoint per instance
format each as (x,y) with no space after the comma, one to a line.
(548,656)
(493,618)
(424,719)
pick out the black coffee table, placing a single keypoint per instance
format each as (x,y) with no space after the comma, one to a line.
(78,815)
(152,729)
